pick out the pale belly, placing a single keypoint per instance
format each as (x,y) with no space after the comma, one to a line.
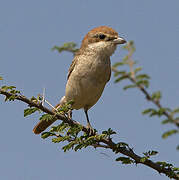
(86,85)
(84,93)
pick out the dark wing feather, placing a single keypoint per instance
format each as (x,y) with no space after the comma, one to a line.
(110,71)
(72,66)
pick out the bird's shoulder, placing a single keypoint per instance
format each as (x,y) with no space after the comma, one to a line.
(73,64)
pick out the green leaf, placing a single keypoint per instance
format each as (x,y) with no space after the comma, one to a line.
(150,153)
(142,76)
(30,111)
(156,95)
(5,88)
(66,107)
(175,169)
(125,160)
(144,83)
(119,73)
(79,146)
(129,46)
(143,159)
(175,111)
(154,112)
(68,146)
(161,111)
(69,46)
(74,130)
(166,121)
(121,145)
(125,59)
(12,90)
(118,64)
(45,135)
(147,111)
(137,69)
(60,128)
(46,117)
(60,139)
(169,133)
(164,164)
(109,132)
(129,86)
(121,78)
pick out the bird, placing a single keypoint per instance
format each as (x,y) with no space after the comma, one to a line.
(89,72)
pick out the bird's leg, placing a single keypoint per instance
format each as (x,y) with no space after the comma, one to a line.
(70,114)
(91,130)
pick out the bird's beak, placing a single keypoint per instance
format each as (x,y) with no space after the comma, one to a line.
(119,40)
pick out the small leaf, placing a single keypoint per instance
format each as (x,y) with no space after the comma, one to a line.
(137,69)
(121,78)
(122,144)
(166,121)
(175,111)
(161,111)
(175,169)
(109,132)
(79,146)
(156,95)
(142,76)
(60,139)
(29,111)
(1,78)
(147,111)
(169,133)
(143,159)
(143,83)
(5,88)
(150,153)
(118,64)
(125,160)
(45,135)
(125,59)
(69,46)
(60,128)
(68,146)
(46,117)
(119,73)
(129,86)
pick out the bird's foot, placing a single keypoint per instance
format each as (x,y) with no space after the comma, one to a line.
(69,114)
(91,131)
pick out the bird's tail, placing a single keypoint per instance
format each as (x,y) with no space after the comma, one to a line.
(42,125)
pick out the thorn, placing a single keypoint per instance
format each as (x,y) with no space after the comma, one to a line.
(43,97)
(50,105)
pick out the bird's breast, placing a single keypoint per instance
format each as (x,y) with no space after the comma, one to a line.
(87,81)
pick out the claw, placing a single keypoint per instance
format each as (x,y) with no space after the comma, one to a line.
(91,131)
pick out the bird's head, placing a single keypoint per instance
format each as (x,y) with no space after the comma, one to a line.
(103,40)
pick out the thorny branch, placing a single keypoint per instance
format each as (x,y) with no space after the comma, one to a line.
(106,142)
(131,77)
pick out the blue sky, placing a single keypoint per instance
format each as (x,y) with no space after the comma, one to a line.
(28,31)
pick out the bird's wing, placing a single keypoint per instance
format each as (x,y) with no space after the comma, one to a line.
(72,66)
(109,71)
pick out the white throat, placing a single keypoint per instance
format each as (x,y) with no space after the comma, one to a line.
(103,47)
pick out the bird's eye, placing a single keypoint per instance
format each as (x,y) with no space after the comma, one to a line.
(102,36)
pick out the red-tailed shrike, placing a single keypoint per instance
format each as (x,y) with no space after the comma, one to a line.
(89,72)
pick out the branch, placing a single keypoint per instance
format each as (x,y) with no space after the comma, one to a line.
(39,106)
(106,141)
(156,102)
